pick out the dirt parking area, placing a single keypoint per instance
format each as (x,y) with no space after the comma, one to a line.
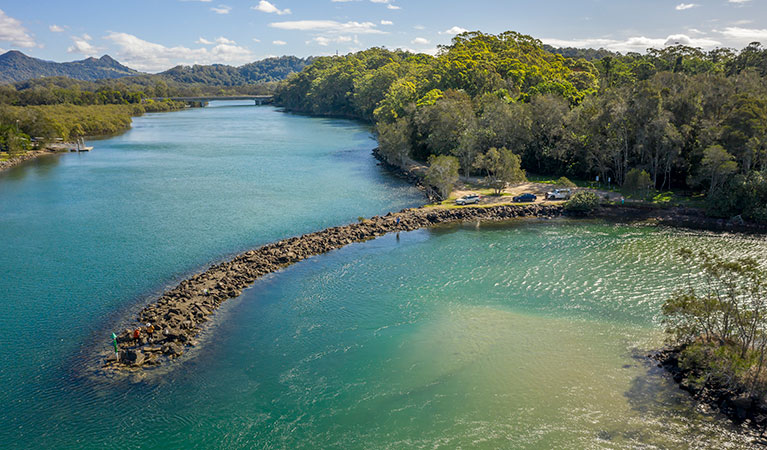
(539,189)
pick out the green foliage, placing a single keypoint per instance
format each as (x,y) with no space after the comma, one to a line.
(716,167)
(638,183)
(722,321)
(582,202)
(70,121)
(442,174)
(12,140)
(578,113)
(394,141)
(743,194)
(564,182)
(502,167)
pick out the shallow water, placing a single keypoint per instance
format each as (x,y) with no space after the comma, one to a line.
(529,334)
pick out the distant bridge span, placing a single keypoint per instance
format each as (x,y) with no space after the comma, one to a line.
(258,99)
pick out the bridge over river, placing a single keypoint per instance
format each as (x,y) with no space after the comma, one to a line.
(258,99)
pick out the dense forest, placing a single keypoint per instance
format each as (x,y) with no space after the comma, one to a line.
(264,71)
(681,117)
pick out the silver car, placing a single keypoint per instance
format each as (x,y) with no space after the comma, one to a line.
(468,199)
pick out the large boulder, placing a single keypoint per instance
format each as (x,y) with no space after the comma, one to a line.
(135,357)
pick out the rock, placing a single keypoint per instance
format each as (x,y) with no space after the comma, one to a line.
(742,405)
(172,349)
(135,357)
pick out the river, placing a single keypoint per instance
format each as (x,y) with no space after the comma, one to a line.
(521,335)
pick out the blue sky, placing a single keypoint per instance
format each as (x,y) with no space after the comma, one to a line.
(154,35)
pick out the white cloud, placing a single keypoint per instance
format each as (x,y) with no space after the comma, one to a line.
(635,43)
(388,3)
(279,43)
(325,41)
(256,40)
(387,22)
(218,40)
(269,8)
(429,51)
(221,9)
(454,30)
(11,30)
(738,2)
(745,35)
(420,41)
(82,46)
(328,26)
(683,6)
(56,29)
(144,55)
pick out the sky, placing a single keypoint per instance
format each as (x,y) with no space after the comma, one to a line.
(155,35)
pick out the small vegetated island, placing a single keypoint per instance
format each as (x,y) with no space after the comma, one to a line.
(675,126)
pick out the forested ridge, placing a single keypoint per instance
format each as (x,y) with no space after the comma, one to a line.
(680,117)
(16,67)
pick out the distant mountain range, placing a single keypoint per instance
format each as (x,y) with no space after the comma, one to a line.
(16,66)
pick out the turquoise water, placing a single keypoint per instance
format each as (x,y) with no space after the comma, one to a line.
(520,335)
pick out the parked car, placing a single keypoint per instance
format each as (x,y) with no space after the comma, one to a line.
(559,194)
(528,197)
(468,199)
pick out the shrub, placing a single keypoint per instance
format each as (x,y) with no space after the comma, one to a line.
(582,202)
(638,182)
(564,182)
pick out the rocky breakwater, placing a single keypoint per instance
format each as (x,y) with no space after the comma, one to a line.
(166,328)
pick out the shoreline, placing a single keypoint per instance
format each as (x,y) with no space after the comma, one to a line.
(741,410)
(28,156)
(179,314)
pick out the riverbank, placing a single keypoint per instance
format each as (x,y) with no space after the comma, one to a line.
(737,406)
(29,155)
(178,316)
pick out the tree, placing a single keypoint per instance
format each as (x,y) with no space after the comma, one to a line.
(564,182)
(442,174)
(443,125)
(716,166)
(720,323)
(394,141)
(638,182)
(502,167)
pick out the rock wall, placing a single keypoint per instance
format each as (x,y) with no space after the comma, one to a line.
(177,316)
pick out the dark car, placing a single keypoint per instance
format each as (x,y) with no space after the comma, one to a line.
(525,198)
